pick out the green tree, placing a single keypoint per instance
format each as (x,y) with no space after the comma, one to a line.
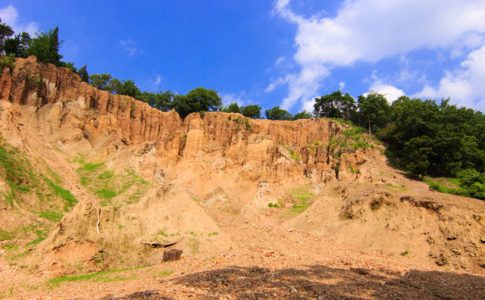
(101,81)
(17,45)
(83,73)
(161,100)
(276,113)
(232,108)
(115,86)
(374,111)
(5,32)
(197,100)
(46,47)
(430,139)
(252,111)
(68,65)
(129,88)
(302,115)
(335,105)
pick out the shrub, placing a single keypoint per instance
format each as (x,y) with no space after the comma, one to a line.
(8,62)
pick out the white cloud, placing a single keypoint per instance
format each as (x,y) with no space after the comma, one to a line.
(465,86)
(371,30)
(158,80)
(10,16)
(341,85)
(276,82)
(391,92)
(129,46)
(155,84)
(279,60)
(239,98)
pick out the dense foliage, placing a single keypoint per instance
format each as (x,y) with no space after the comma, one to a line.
(430,139)
(197,100)
(45,46)
(422,137)
(335,105)
(251,111)
(276,113)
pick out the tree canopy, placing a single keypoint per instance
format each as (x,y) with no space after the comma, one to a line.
(302,115)
(335,105)
(374,111)
(430,139)
(161,100)
(46,47)
(252,111)
(276,113)
(196,100)
(232,108)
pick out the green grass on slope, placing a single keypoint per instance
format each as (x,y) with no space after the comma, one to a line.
(107,185)
(97,276)
(32,191)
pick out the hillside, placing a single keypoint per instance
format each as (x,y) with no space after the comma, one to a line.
(86,177)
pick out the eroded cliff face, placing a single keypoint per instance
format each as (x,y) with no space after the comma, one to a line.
(267,150)
(167,175)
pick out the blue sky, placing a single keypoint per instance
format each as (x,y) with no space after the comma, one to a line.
(283,52)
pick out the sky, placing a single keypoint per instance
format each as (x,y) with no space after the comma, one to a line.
(284,52)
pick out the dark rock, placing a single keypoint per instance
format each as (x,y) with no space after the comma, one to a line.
(172,254)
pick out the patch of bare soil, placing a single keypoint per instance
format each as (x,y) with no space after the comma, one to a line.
(270,262)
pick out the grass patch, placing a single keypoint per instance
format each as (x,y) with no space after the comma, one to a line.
(79,158)
(351,139)
(162,233)
(298,209)
(18,172)
(69,199)
(241,121)
(98,276)
(106,175)
(354,171)
(164,273)
(443,186)
(293,154)
(106,193)
(5,235)
(10,246)
(41,235)
(55,177)
(50,215)
(274,205)
(90,166)
(396,187)
(248,125)
(469,183)
(404,253)
(107,185)
(303,199)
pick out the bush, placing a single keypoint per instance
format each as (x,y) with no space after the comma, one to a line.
(8,62)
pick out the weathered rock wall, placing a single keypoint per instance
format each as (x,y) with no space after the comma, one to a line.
(98,116)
